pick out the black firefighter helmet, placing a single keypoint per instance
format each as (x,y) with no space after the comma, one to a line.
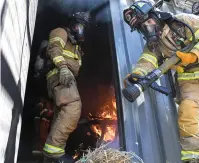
(79,21)
(137,13)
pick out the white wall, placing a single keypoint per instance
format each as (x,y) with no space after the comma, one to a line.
(17,26)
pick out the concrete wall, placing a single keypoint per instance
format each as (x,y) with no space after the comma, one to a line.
(17,27)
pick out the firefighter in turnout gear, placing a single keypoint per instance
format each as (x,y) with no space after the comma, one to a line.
(65,53)
(166,34)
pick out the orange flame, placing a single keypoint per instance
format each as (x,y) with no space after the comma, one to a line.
(76,155)
(110,133)
(97,129)
(110,113)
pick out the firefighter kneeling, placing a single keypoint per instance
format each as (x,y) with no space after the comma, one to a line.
(166,34)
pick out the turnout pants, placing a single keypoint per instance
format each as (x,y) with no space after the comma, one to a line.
(67,110)
(188,118)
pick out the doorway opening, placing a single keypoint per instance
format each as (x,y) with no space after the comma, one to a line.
(98,122)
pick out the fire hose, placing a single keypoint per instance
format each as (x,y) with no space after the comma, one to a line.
(135,88)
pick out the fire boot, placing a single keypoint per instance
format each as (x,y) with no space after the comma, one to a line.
(62,159)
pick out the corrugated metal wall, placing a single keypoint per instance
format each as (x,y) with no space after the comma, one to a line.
(150,122)
(17,26)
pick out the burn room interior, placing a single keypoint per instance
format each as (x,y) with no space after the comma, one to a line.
(96,81)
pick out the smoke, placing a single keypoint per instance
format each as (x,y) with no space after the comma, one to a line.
(99,8)
(103,15)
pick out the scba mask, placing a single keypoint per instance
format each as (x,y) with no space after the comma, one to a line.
(151,31)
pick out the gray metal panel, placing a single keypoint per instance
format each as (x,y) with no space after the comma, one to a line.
(151,121)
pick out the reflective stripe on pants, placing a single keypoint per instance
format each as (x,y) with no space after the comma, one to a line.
(189,155)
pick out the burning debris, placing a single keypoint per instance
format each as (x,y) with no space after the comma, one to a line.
(103,154)
(106,130)
(101,127)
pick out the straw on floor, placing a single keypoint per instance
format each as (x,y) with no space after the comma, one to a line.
(103,154)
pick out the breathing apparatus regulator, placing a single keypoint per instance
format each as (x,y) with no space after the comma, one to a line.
(137,14)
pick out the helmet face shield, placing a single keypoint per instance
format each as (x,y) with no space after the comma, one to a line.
(79,22)
(78,30)
(151,29)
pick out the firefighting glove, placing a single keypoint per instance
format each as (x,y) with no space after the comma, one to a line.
(66,77)
(186,58)
(178,68)
(135,79)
